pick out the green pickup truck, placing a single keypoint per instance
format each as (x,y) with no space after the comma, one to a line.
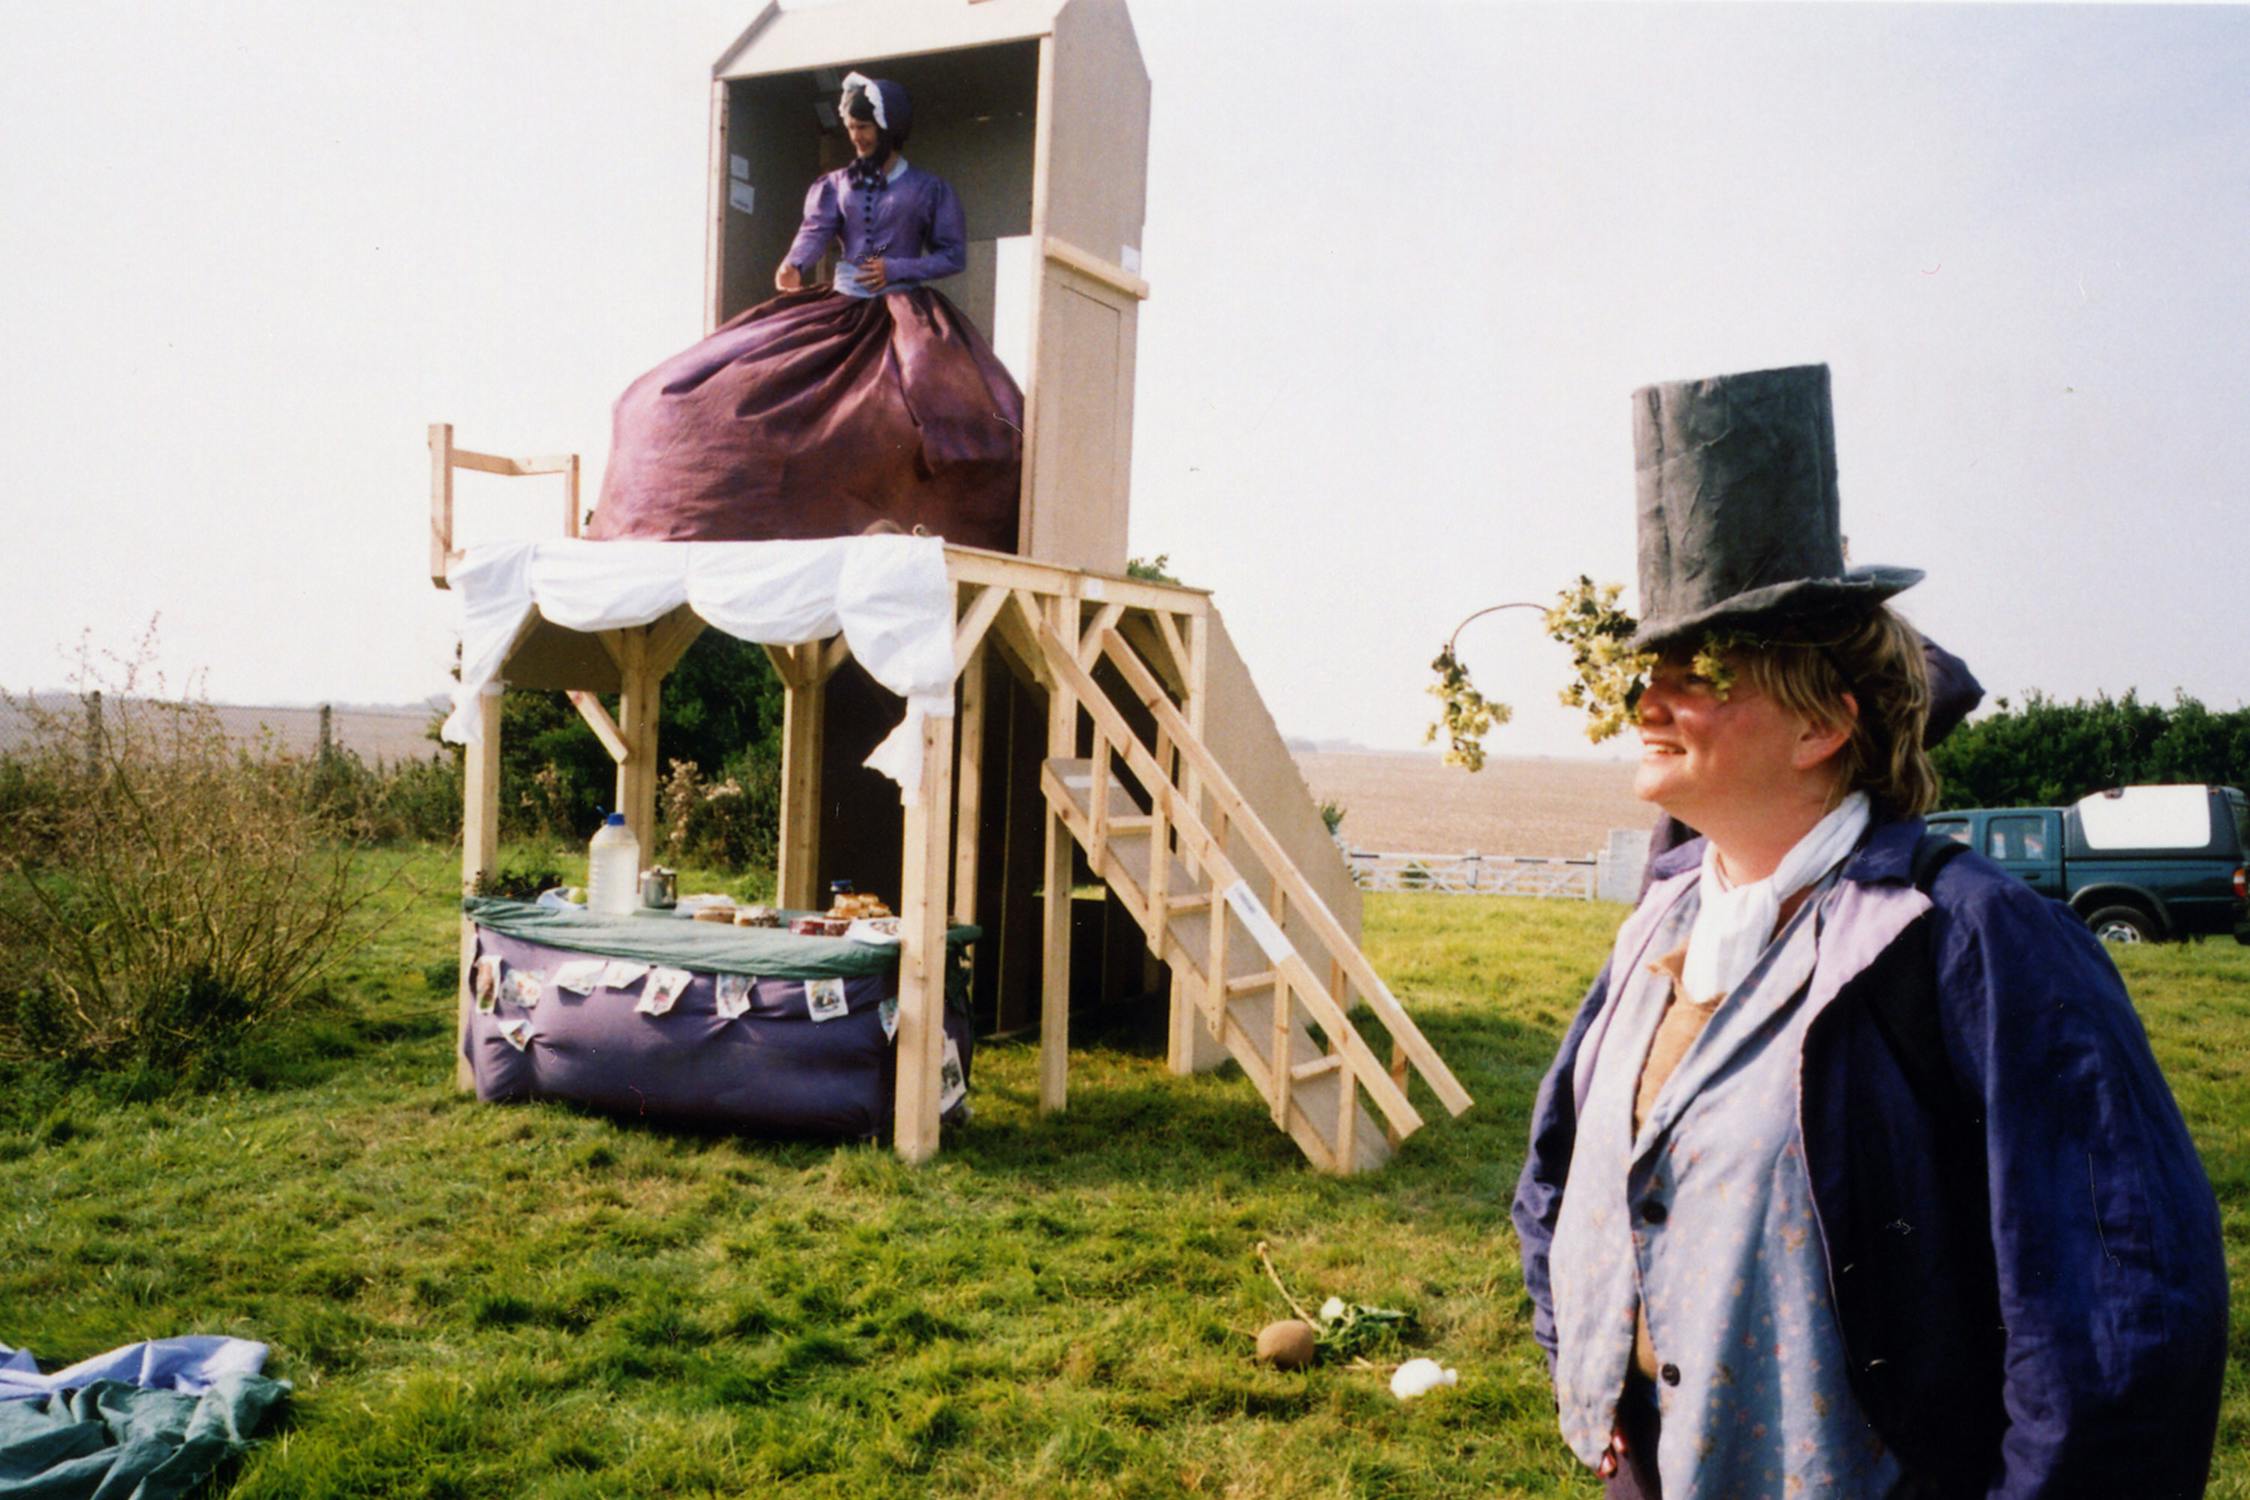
(2137,863)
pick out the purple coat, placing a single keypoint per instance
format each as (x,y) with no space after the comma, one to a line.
(914,222)
(2028,1270)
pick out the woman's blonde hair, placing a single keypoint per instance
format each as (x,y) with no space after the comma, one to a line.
(1878,661)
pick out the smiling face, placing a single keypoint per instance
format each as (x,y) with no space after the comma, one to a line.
(867,138)
(1741,768)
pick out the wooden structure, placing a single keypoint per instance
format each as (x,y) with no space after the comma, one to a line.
(1266,970)
(1106,728)
(1037,112)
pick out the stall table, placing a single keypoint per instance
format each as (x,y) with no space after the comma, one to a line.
(765,1030)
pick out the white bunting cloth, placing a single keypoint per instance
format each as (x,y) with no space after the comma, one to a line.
(890,596)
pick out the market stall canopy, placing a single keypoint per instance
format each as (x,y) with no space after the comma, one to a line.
(889,596)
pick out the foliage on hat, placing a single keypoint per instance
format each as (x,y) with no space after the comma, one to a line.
(1465,715)
(1609,676)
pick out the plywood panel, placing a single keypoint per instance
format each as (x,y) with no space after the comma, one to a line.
(771,125)
(551,659)
(1097,170)
(1081,425)
(1241,733)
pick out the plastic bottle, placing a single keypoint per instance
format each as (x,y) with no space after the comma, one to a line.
(613,870)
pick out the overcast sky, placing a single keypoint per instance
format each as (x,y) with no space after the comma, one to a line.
(1408,261)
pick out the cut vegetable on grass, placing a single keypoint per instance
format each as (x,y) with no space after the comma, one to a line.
(1341,1332)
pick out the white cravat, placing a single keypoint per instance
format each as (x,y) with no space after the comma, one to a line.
(1733,925)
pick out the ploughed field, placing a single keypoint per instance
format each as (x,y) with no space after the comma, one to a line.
(478,1300)
(1414,803)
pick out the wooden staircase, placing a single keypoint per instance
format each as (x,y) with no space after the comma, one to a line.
(1167,830)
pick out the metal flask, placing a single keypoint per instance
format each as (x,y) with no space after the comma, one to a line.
(660,888)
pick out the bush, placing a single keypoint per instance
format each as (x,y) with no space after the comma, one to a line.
(2047,753)
(733,821)
(162,890)
(722,706)
(415,801)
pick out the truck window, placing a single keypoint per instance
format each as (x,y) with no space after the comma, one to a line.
(2015,838)
(2239,805)
(1956,829)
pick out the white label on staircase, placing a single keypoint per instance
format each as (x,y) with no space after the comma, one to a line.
(1094,589)
(1262,926)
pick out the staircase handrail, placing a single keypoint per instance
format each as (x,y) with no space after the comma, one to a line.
(1301,892)
(1198,844)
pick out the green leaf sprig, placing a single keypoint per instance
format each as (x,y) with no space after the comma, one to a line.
(1611,676)
(1465,715)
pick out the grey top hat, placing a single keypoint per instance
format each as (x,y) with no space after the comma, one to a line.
(1738,516)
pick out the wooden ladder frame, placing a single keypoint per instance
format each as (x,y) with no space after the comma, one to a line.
(1203,841)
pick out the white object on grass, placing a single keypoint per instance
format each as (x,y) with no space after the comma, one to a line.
(1418,1377)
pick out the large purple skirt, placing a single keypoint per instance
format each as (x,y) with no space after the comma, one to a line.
(816,414)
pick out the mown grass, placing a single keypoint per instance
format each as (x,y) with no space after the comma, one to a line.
(476,1300)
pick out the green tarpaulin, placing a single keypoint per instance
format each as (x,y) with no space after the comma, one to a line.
(113,1441)
(673,938)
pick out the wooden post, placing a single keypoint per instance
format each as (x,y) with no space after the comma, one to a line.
(968,789)
(1054,993)
(94,734)
(480,852)
(921,957)
(327,732)
(1278,908)
(441,501)
(801,717)
(1193,1049)
(637,715)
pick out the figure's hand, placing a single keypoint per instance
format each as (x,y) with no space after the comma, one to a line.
(1614,1458)
(871,274)
(788,278)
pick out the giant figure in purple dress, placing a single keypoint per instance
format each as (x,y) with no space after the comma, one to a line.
(871,404)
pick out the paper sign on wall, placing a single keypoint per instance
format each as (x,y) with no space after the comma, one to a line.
(1130,259)
(1261,925)
(738,167)
(742,197)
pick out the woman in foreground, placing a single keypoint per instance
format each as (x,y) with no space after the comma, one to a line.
(1855,1175)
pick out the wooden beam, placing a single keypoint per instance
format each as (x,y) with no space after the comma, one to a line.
(831,655)
(637,713)
(1107,272)
(803,710)
(1090,646)
(480,853)
(605,728)
(969,634)
(1054,992)
(1017,627)
(922,957)
(784,659)
(441,502)
(670,637)
(1052,580)
(1193,1049)
(517,468)
(968,791)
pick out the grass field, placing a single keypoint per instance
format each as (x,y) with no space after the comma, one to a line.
(530,1301)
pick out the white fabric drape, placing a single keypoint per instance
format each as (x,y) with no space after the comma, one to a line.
(1734,924)
(890,596)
